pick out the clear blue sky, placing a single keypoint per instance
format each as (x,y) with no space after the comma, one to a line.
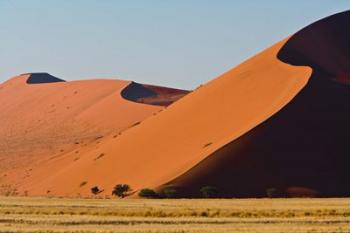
(179,43)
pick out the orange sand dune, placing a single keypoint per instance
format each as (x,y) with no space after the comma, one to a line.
(278,120)
(172,142)
(44,117)
(302,150)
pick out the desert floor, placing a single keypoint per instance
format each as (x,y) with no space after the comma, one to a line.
(21,214)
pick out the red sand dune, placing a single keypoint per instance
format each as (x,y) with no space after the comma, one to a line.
(280,120)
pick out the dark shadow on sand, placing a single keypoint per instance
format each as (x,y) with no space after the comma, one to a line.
(39,78)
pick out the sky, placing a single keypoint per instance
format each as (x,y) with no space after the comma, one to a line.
(176,43)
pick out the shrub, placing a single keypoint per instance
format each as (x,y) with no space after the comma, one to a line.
(170,192)
(209,192)
(121,190)
(148,193)
(95,190)
(271,192)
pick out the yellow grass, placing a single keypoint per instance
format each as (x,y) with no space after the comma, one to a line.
(19,214)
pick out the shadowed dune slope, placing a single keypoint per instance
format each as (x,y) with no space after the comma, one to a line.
(37,78)
(50,118)
(150,94)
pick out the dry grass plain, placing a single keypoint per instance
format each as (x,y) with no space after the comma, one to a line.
(25,214)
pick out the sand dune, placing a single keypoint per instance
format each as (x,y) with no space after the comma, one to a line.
(302,149)
(167,145)
(278,120)
(44,117)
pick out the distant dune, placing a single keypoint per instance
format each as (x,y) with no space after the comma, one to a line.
(277,121)
(44,117)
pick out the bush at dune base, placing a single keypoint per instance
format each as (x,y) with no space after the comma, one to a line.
(148,193)
(209,192)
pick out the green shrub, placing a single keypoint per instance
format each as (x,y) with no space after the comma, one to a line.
(148,193)
(209,192)
(121,190)
(170,192)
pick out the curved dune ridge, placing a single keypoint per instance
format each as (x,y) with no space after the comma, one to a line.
(279,120)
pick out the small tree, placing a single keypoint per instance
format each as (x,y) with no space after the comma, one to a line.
(170,192)
(95,190)
(209,192)
(121,190)
(148,193)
